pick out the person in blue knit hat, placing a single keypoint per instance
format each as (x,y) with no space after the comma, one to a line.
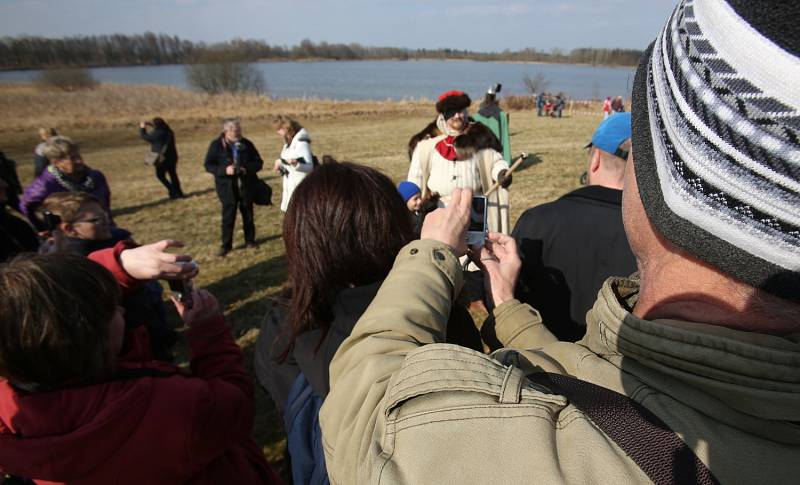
(412,196)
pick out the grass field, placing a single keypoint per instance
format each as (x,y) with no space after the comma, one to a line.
(105,122)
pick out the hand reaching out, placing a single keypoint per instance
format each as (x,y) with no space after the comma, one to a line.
(151,262)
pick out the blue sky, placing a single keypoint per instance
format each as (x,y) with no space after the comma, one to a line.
(484,25)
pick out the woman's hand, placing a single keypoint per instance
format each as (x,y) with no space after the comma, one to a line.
(449,225)
(277,167)
(153,262)
(500,264)
(142,124)
(293,162)
(204,308)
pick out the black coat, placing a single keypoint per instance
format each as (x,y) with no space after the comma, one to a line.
(8,172)
(220,155)
(158,137)
(569,247)
(16,236)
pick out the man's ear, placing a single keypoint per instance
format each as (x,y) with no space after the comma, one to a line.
(67,229)
(594,162)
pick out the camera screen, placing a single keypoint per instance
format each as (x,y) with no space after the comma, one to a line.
(477,220)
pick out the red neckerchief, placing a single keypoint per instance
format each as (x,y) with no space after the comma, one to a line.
(446,149)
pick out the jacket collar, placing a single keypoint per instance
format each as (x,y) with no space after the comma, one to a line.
(755,374)
(598,193)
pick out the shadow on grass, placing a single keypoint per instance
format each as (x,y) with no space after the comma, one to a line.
(155,203)
(533,159)
(242,285)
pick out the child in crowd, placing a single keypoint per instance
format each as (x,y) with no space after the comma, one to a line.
(79,404)
(412,196)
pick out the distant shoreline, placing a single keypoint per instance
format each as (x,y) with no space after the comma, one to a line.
(324,59)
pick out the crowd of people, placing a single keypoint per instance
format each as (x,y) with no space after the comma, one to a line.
(550,105)
(642,328)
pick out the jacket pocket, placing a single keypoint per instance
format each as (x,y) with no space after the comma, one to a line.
(459,378)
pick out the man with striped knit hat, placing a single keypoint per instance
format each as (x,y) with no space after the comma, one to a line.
(688,372)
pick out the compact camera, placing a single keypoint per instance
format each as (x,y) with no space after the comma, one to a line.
(476,232)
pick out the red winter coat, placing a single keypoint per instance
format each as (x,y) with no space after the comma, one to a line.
(172,429)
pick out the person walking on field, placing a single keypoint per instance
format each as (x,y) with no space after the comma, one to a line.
(234,161)
(162,141)
(607,107)
(296,160)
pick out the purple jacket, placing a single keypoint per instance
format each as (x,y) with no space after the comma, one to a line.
(46,184)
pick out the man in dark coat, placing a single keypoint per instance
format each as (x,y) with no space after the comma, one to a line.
(162,141)
(8,172)
(234,162)
(571,245)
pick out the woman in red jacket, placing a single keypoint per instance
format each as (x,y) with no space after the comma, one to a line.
(80,404)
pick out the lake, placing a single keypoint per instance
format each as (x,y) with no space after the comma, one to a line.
(395,80)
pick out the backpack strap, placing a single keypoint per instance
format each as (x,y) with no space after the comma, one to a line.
(647,440)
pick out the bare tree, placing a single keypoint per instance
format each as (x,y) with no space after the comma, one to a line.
(226,77)
(67,79)
(535,84)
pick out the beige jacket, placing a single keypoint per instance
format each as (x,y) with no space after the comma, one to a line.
(404,408)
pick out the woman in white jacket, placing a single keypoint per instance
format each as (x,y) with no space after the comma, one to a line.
(296,159)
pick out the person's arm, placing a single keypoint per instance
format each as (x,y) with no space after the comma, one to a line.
(254,163)
(32,198)
(305,159)
(410,310)
(516,325)
(415,169)
(132,264)
(223,407)
(212,163)
(499,164)
(151,137)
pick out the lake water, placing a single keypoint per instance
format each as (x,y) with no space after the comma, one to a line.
(396,80)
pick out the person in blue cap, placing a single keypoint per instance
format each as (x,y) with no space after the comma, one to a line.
(570,246)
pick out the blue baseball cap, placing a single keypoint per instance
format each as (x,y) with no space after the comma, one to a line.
(612,133)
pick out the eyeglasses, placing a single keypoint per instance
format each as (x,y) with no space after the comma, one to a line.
(93,220)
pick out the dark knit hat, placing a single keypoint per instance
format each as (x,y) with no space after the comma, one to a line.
(716,123)
(453,101)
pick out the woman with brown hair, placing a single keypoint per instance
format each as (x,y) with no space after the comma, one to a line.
(296,159)
(342,231)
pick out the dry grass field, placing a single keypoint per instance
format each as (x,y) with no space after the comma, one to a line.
(105,122)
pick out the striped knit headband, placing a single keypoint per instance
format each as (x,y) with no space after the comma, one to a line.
(716,121)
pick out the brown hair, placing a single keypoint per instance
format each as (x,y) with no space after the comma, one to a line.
(67,205)
(291,125)
(344,226)
(55,312)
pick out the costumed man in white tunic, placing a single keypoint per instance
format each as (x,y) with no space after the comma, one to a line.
(460,153)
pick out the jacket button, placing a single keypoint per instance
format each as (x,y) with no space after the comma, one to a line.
(414,251)
(439,255)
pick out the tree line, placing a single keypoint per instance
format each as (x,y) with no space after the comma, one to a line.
(28,52)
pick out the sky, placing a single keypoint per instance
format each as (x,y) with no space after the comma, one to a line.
(480,25)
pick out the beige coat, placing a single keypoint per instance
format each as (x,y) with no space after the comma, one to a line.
(404,408)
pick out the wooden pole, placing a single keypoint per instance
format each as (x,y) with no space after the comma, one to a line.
(517,161)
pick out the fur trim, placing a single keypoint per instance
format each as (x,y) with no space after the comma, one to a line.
(453,101)
(475,138)
(430,131)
